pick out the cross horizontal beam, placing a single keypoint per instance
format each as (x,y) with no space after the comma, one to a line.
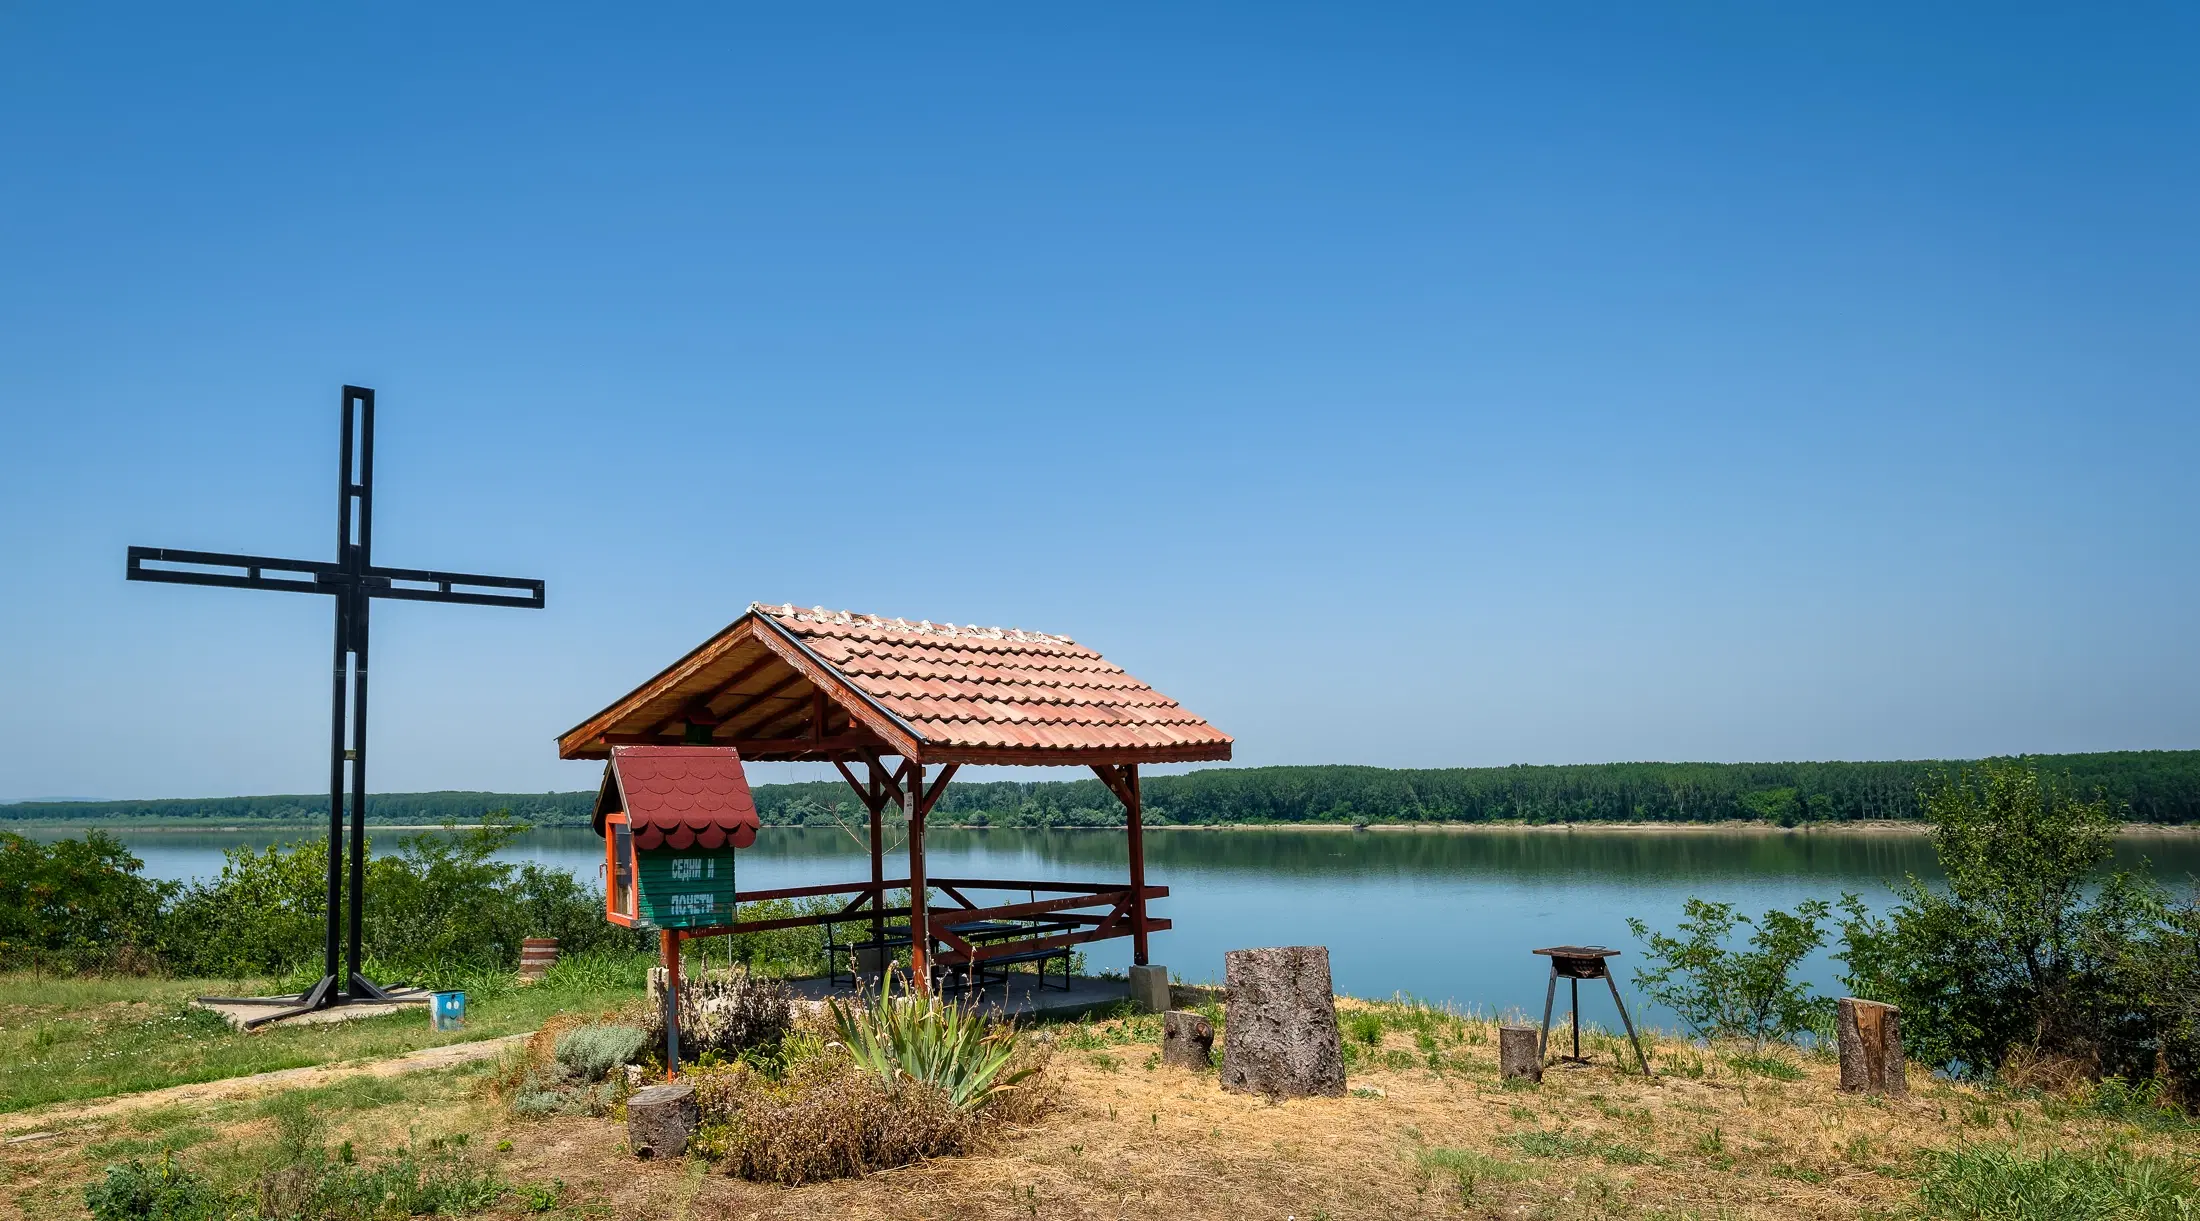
(322,577)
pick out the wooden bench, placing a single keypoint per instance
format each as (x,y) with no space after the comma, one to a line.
(994,969)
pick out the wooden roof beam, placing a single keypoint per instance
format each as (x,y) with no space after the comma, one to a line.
(697,711)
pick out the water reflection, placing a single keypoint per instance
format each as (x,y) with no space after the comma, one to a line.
(1440,914)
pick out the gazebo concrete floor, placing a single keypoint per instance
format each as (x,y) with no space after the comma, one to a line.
(1021,997)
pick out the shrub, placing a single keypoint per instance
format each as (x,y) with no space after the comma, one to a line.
(442,909)
(2016,956)
(76,904)
(727,1013)
(589,1054)
(827,1118)
(159,1191)
(1729,993)
(938,1043)
(568,1067)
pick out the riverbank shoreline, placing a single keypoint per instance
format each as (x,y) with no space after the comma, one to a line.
(1728,827)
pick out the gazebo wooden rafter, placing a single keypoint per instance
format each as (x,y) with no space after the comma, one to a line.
(787,684)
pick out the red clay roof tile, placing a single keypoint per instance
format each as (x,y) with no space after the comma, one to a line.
(973,686)
(679,797)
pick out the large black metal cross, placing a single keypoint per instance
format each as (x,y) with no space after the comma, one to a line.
(354,581)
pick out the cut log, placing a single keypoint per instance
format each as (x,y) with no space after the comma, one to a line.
(1870,1038)
(1282,1023)
(1187,1040)
(536,956)
(1520,1052)
(660,1119)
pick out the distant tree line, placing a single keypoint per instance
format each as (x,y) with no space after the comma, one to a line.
(2147,786)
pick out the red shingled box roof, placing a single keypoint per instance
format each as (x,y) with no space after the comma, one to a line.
(679,797)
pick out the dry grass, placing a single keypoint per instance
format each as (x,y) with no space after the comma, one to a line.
(1428,1132)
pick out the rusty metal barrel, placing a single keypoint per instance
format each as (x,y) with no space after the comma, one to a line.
(536,956)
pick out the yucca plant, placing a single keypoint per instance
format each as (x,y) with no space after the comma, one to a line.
(940,1043)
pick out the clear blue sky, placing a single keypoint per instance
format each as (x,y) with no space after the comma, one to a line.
(1410,386)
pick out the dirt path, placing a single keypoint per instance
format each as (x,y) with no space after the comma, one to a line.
(61,1114)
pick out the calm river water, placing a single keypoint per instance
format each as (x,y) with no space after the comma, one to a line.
(1445,915)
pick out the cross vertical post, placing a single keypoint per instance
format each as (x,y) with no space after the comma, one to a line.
(353,581)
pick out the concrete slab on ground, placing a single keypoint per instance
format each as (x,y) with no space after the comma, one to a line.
(238,1011)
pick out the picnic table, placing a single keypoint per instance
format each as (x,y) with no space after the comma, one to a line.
(985,971)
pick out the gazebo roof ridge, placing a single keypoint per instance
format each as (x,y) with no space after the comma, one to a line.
(785,682)
(923,627)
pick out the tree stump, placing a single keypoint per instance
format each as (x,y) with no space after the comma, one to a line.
(1520,1052)
(1282,1019)
(1870,1037)
(660,1119)
(1187,1040)
(536,956)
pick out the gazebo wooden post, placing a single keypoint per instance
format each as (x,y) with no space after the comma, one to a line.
(1122,780)
(920,908)
(875,801)
(1134,804)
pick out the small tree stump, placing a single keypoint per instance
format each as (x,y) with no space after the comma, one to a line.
(1870,1037)
(660,1119)
(1187,1040)
(1519,1052)
(536,956)
(1282,1019)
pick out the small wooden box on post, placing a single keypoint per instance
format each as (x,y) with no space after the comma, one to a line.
(671,818)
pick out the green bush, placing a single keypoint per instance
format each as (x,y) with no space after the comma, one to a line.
(156,1191)
(591,1053)
(2027,947)
(77,904)
(1720,992)
(440,912)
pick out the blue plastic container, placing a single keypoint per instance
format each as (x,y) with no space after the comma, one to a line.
(446,1010)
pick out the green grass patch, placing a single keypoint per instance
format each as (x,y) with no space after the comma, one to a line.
(1467,1170)
(1995,1181)
(67,1040)
(1777,1068)
(1559,1145)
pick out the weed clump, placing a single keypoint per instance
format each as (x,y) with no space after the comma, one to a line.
(568,1067)
(827,1118)
(724,1014)
(155,1191)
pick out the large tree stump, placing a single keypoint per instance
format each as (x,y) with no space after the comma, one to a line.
(1282,1021)
(1870,1037)
(1187,1040)
(1520,1052)
(660,1119)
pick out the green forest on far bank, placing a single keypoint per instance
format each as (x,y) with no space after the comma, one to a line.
(2149,786)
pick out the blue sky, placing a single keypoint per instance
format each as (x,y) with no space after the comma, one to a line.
(1411,386)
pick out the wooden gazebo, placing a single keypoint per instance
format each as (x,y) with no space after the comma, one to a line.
(787,684)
